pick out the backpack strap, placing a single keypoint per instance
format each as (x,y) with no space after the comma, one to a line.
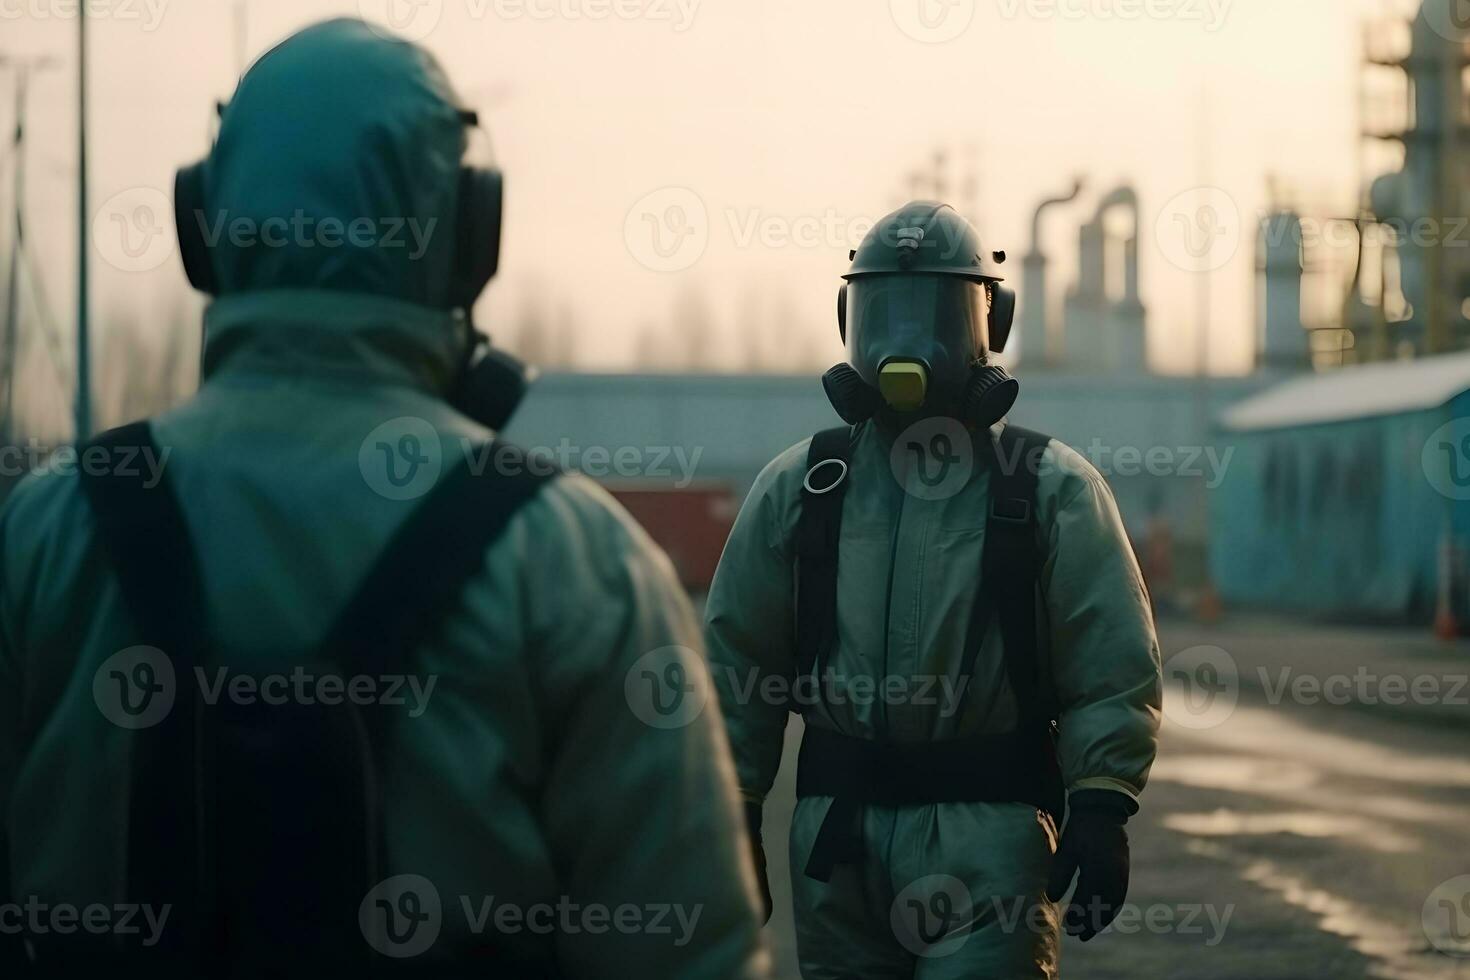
(417,582)
(818,532)
(141,529)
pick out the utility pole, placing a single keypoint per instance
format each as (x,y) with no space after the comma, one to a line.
(242,37)
(84,365)
(12,289)
(10,343)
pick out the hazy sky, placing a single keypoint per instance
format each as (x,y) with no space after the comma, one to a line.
(775,128)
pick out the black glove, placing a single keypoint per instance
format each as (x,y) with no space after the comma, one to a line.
(1094,843)
(758,855)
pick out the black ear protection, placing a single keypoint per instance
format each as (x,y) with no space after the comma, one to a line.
(189,221)
(479,211)
(477,234)
(842,313)
(1002,316)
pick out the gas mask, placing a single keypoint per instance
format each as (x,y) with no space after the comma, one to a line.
(920,313)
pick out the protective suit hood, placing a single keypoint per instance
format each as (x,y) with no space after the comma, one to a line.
(337,169)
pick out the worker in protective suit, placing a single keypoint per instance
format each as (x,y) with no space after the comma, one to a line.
(952,606)
(315,675)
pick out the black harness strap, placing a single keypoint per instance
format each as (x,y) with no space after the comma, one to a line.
(1009,572)
(818,531)
(279,806)
(142,531)
(419,579)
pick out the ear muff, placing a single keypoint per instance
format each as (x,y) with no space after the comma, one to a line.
(842,312)
(477,234)
(189,220)
(1002,316)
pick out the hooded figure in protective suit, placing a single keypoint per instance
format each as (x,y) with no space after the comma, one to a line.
(951,604)
(337,685)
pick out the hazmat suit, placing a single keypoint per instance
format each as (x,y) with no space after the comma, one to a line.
(957,887)
(535,803)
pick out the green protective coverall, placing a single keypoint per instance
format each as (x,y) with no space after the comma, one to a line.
(523,777)
(909,565)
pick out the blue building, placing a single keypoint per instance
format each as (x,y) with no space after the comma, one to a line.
(1348,492)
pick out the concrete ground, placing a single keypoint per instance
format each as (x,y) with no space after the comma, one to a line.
(1313,785)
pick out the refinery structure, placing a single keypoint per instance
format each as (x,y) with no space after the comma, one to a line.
(1386,278)
(1357,296)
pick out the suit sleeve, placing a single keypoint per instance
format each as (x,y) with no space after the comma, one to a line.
(1104,652)
(640,802)
(750,625)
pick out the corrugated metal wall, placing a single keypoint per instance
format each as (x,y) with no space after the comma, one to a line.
(1336,518)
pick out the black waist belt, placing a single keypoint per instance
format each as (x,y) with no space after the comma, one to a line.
(1019,767)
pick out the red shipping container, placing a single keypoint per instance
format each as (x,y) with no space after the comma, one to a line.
(690,524)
